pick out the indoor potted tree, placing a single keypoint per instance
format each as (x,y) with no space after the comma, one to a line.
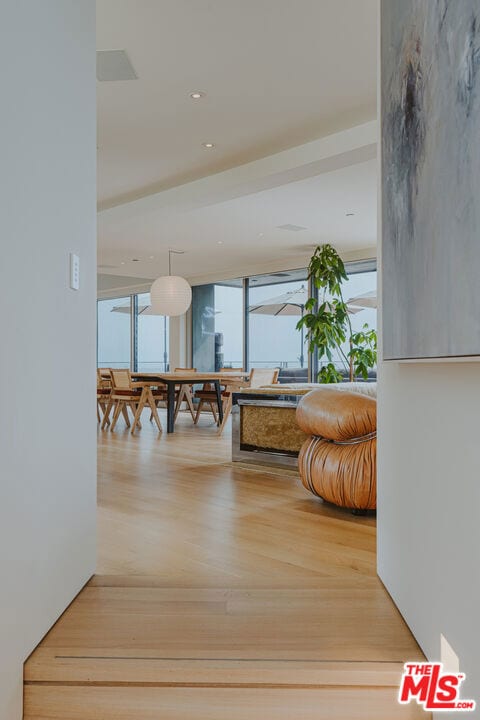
(327,322)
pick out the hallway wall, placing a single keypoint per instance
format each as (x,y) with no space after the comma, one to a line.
(429,495)
(47,351)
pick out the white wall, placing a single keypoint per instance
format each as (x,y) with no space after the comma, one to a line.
(47,351)
(179,352)
(429,502)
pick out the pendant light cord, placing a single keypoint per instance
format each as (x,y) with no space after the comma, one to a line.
(170,251)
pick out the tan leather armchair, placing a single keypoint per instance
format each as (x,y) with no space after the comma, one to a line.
(338,463)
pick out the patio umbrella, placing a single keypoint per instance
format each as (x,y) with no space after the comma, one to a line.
(367,300)
(290,303)
(142,309)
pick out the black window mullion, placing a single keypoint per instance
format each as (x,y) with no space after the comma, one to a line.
(134,332)
(246,304)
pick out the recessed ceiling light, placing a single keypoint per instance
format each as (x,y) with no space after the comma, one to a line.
(260,234)
(151,257)
(349,214)
(197,94)
(219,242)
(208,145)
(135,260)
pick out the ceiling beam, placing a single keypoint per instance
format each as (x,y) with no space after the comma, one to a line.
(332,152)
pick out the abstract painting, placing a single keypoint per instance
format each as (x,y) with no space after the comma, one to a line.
(430,79)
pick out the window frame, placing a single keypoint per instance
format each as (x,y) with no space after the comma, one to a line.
(133,314)
(129,296)
(352,267)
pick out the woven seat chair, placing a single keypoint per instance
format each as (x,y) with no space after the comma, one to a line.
(183,393)
(127,394)
(104,388)
(257,378)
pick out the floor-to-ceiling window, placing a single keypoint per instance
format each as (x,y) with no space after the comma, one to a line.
(252,322)
(129,335)
(114,333)
(217,325)
(152,337)
(275,305)
(229,324)
(361,290)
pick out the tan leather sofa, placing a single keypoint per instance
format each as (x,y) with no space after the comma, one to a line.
(338,462)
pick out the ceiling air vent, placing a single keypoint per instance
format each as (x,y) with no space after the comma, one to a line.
(291,228)
(113,65)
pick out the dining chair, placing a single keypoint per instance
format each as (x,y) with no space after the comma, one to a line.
(183,393)
(207,395)
(104,388)
(128,394)
(262,376)
(257,378)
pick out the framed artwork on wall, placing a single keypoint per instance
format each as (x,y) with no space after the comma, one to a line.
(430,114)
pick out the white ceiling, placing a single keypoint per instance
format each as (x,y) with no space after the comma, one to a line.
(248,228)
(278,74)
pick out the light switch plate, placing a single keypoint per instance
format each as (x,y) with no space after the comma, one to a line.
(74,271)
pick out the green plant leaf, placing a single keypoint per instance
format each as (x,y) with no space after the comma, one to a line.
(327,323)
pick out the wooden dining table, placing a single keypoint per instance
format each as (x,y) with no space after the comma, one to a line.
(172,380)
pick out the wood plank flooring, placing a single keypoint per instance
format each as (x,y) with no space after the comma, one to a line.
(222,593)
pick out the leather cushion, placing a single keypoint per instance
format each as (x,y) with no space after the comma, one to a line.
(337,416)
(342,474)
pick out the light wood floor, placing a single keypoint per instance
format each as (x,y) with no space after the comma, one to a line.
(222,593)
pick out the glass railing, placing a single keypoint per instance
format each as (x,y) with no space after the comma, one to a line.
(113,364)
(149,366)
(153,366)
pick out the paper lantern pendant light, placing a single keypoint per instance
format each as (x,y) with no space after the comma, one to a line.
(170,295)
